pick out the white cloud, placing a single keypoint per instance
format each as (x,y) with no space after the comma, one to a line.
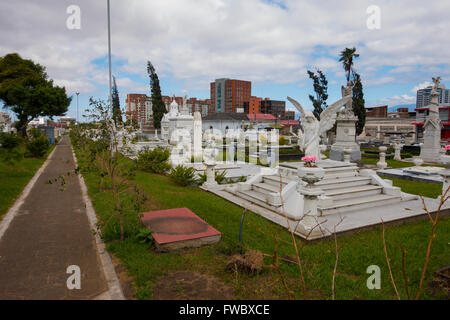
(397,100)
(197,41)
(421,86)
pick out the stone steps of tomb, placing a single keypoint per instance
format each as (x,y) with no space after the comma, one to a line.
(350,170)
(353,192)
(361,203)
(266,187)
(257,197)
(274,180)
(344,182)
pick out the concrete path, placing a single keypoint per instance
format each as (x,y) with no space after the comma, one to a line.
(49,232)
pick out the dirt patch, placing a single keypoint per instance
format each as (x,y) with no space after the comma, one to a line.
(126,281)
(250,262)
(189,285)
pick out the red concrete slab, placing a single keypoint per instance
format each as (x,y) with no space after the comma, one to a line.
(177,225)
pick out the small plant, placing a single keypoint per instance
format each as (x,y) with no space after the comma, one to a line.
(310,161)
(144,235)
(155,161)
(220,177)
(38,144)
(183,176)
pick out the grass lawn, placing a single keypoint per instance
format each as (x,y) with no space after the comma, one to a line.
(429,190)
(357,251)
(14,177)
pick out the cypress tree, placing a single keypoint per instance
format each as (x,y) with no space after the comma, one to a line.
(359,108)
(158,106)
(117,113)
(320,85)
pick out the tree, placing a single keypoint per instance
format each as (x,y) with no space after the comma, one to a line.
(26,90)
(359,108)
(346,58)
(117,114)
(320,84)
(158,106)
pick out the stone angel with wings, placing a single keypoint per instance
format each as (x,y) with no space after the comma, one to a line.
(313,129)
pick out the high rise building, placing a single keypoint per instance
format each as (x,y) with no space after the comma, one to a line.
(229,95)
(168,100)
(254,105)
(276,108)
(202,106)
(138,107)
(423,96)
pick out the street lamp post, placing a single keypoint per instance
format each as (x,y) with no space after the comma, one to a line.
(110,76)
(109,58)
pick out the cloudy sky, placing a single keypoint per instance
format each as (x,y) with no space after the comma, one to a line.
(271,43)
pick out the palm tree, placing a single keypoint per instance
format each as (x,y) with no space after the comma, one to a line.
(347,57)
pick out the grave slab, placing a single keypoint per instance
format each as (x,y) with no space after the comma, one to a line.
(179,228)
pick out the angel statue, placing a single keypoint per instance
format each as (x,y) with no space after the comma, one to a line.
(313,129)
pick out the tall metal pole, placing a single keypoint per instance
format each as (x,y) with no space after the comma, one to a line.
(77,93)
(110,76)
(109,58)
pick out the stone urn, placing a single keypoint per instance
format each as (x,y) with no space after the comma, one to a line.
(382,163)
(417,161)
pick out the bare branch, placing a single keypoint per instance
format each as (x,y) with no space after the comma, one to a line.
(388,262)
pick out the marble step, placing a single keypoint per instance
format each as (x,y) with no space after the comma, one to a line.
(361,203)
(266,187)
(257,198)
(274,180)
(346,182)
(341,174)
(353,192)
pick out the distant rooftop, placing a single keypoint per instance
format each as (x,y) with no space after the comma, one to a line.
(226,116)
(260,116)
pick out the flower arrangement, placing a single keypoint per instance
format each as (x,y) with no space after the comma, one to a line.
(447,149)
(310,161)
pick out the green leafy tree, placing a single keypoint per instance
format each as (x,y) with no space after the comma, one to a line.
(26,90)
(320,85)
(117,114)
(158,106)
(359,108)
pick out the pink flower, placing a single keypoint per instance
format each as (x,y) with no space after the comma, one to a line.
(447,147)
(309,158)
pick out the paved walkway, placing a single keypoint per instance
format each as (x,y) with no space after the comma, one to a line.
(50,232)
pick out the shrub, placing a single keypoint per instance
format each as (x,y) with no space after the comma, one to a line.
(155,161)
(38,144)
(282,141)
(220,177)
(11,147)
(9,141)
(184,176)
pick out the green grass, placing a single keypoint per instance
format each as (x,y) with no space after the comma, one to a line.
(357,251)
(428,190)
(14,177)
(373,159)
